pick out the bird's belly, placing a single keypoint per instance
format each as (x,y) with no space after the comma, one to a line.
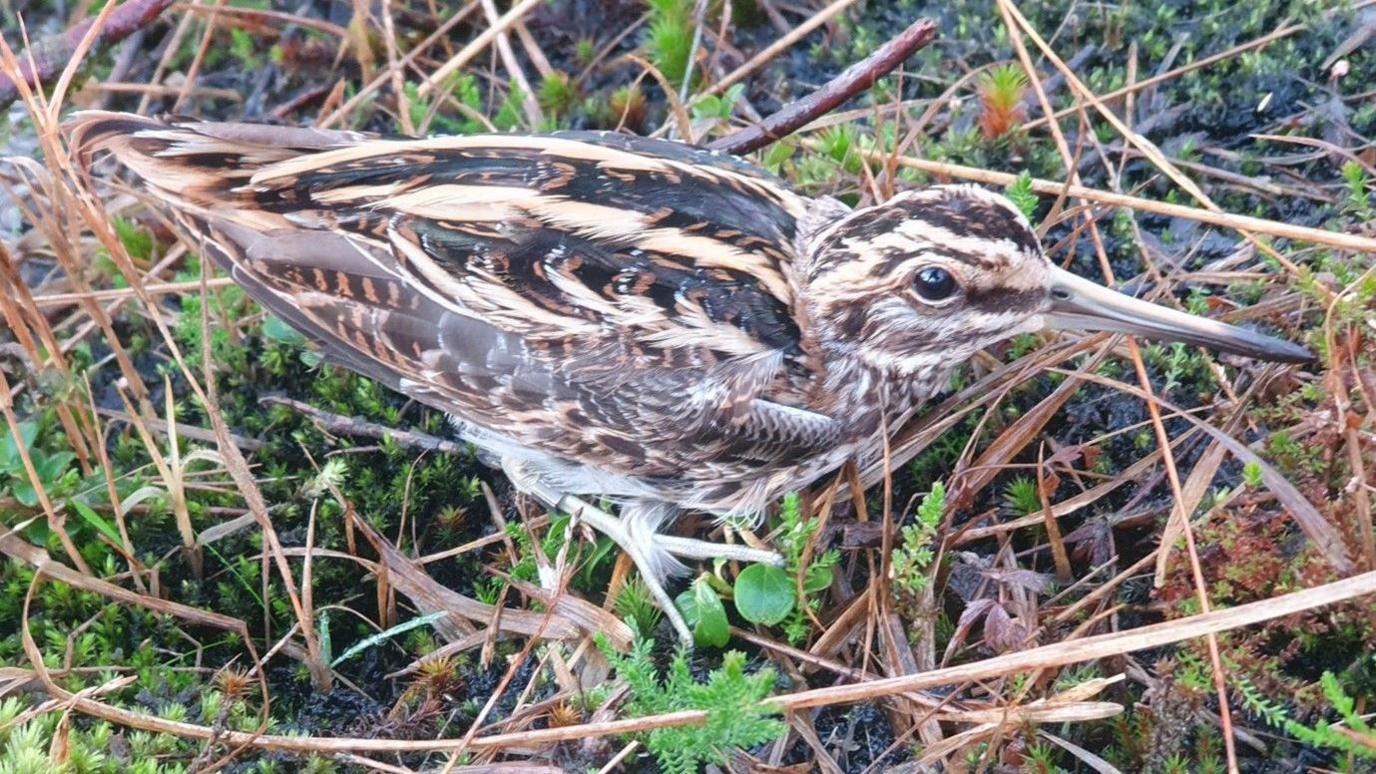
(733,488)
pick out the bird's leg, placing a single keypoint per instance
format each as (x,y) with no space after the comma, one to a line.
(650,562)
(642,522)
(706,549)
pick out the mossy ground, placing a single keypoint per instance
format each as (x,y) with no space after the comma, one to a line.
(425,503)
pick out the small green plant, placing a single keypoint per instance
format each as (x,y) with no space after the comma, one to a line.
(1022,195)
(778,153)
(526,567)
(1021,496)
(1358,199)
(636,605)
(387,634)
(488,590)
(797,533)
(768,595)
(703,611)
(765,594)
(627,108)
(558,95)
(510,115)
(717,106)
(1001,90)
(137,242)
(241,46)
(1175,763)
(841,144)
(1356,738)
(737,716)
(55,471)
(1040,758)
(670,40)
(584,50)
(908,568)
(463,87)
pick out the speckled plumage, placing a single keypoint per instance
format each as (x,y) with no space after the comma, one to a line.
(601,314)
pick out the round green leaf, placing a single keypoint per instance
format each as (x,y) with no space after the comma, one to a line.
(702,609)
(765,594)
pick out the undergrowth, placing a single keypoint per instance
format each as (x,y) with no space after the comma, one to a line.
(731,698)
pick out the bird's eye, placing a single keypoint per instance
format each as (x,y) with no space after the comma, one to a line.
(935,284)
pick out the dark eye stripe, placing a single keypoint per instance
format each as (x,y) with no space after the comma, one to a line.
(1005,300)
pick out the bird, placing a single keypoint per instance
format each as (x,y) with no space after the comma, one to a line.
(662,326)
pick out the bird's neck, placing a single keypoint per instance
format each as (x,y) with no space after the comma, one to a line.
(872,396)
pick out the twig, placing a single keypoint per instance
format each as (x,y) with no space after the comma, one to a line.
(856,78)
(475,47)
(1060,654)
(774,49)
(1142,144)
(1145,83)
(273,20)
(51,55)
(342,425)
(529,103)
(699,18)
(364,93)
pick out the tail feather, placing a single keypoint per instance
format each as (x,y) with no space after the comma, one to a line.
(193,161)
(198,174)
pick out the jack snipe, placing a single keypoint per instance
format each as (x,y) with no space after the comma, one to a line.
(632,318)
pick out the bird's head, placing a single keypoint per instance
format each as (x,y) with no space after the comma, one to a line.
(923,281)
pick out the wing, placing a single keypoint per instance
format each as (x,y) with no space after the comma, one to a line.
(615,301)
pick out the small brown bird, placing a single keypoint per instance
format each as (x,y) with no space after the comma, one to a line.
(637,319)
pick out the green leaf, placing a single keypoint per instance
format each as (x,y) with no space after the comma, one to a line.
(9,452)
(137,242)
(276,329)
(765,594)
(96,520)
(704,612)
(25,493)
(322,630)
(777,154)
(818,578)
(51,467)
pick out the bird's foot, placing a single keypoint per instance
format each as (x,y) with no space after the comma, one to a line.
(636,533)
(652,561)
(707,549)
(653,553)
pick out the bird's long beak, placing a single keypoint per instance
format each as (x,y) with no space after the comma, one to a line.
(1079,304)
